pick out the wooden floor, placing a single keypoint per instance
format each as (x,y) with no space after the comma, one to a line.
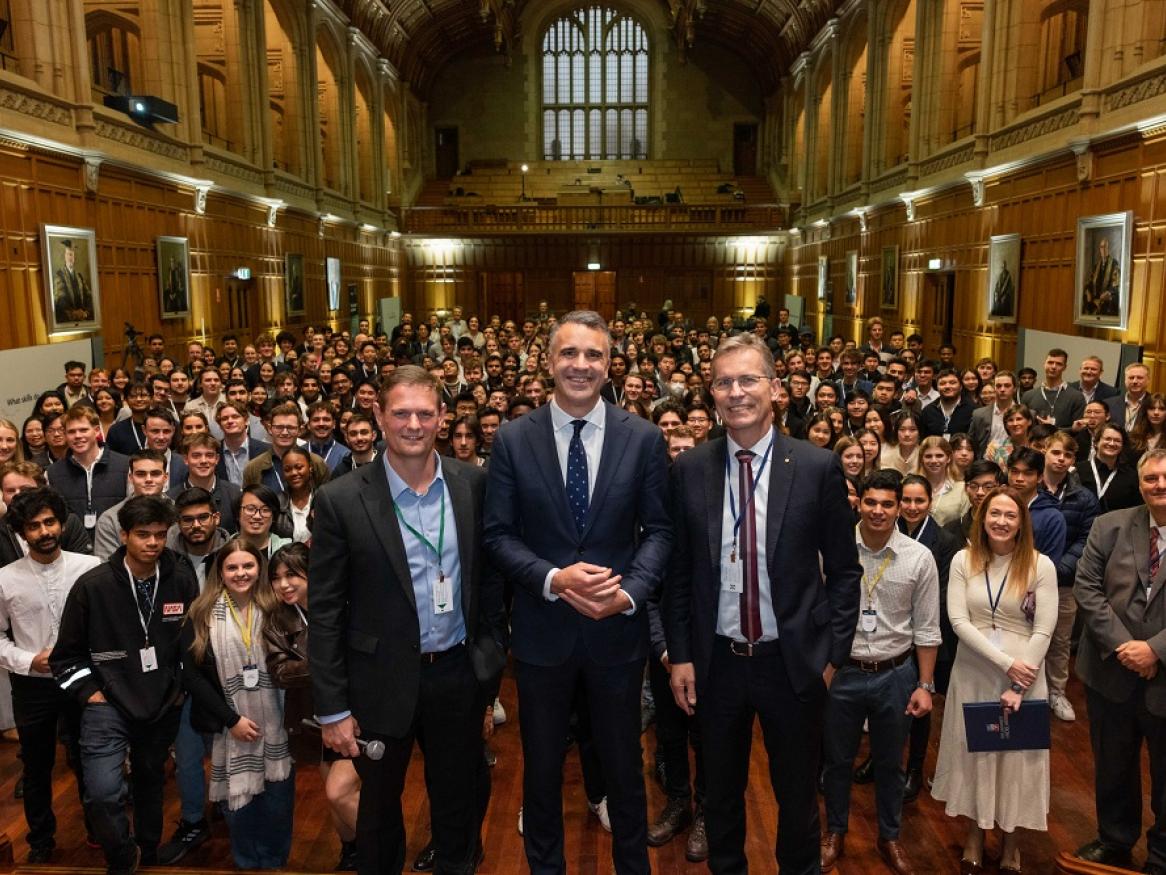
(932,838)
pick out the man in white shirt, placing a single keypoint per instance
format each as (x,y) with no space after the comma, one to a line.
(889,677)
(32,596)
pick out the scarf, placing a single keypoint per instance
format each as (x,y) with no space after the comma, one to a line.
(239,769)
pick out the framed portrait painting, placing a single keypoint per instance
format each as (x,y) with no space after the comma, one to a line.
(889,284)
(72,296)
(823,276)
(174,276)
(1102,292)
(293,285)
(852,276)
(1003,277)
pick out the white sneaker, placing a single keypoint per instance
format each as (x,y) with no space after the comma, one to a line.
(1061,707)
(599,809)
(520,821)
(499,713)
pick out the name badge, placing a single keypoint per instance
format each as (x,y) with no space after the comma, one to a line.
(442,595)
(731,580)
(149,659)
(90,520)
(996,639)
(869,620)
(250,676)
(172,609)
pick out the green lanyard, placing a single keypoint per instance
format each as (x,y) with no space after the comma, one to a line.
(424,540)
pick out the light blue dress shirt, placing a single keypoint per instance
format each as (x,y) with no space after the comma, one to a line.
(422,511)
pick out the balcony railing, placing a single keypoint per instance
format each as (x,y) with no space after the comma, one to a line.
(541,218)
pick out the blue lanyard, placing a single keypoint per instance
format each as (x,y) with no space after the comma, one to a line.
(994,604)
(757,479)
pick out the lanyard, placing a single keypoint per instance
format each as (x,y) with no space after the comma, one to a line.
(424,540)
(145,621)
(275,472)
(869,584)
(737,518)
(1044,394)
(244,631)
(303,616)
(139,439)
(922,528)
(995,603)
(1102,487)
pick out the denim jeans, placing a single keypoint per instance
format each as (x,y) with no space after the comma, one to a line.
(190,748)
(881,699)
(261,831)
(106,736)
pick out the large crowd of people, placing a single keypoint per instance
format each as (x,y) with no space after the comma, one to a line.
(698,525)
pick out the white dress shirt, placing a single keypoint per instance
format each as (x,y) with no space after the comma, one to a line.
(729,603)
(32,597)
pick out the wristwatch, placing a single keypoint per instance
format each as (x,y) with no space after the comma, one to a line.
(1017,688)
(926,685)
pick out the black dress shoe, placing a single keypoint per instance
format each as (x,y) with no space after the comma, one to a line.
(40,855)
(1098,852)
(913,785)
(864,774)
(424,861)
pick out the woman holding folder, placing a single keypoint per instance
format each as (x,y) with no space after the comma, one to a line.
(1002,602)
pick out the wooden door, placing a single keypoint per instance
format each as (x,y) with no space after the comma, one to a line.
(595,290)
(938,310)
(745,149)
(446,152)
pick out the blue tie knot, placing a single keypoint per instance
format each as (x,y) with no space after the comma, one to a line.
(578,424)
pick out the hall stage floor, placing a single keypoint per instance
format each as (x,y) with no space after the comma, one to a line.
(932,838)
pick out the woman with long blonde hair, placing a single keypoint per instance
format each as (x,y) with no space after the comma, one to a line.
(949,499)
(235,700)
(1002,603)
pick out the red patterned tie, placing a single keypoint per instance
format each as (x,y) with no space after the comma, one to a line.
(1155,556)
(751,593)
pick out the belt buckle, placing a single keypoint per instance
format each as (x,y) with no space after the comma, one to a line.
(740,648)
(869,667)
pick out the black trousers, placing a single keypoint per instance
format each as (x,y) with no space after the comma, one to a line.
(449,714)
(675,730)
(45,714)
(740,689)
(612,697)
(1117,731)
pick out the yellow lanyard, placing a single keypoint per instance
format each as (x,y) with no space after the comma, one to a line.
(244,631)
(871,584)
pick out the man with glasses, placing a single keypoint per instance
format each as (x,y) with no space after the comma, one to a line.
(204,471)
(267,468)
(198,537)
(745,645)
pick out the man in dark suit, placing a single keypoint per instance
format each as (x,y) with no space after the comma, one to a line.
(577,518)
(1124,408)
(951,414)
(1091,385)
(740,647)
(407,627)
(1119,585)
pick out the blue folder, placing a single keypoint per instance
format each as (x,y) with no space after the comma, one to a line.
(989,728)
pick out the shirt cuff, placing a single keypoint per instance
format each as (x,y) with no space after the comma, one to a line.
(547,594)
(325,719)
(632,609)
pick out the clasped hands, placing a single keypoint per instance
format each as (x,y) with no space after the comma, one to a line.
(1139,658)
(1023,675)
(592,590)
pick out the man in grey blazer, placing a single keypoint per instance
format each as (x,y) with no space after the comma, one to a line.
(1119,586)
(988,422)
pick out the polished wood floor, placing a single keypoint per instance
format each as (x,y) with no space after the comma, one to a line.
(932,838)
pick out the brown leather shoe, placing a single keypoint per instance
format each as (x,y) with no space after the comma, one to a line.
(832,847)
(696,849)
(891,850)
(673,820)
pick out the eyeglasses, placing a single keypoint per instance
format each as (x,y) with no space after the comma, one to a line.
(745,381)
(260,510)
(202,519)
(284,429)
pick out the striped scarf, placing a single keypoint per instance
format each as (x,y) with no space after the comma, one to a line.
(239,769)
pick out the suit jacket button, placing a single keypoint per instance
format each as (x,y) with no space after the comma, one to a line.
(580,551)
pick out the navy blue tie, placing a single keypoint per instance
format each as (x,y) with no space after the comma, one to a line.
(577,476)
(145,593)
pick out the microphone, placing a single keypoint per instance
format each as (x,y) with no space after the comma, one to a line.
(374,749)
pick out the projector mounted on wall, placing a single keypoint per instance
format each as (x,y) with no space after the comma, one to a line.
(146,111)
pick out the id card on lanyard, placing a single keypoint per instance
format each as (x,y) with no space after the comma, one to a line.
(146,653)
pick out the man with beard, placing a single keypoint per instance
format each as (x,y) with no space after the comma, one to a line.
(32,594)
